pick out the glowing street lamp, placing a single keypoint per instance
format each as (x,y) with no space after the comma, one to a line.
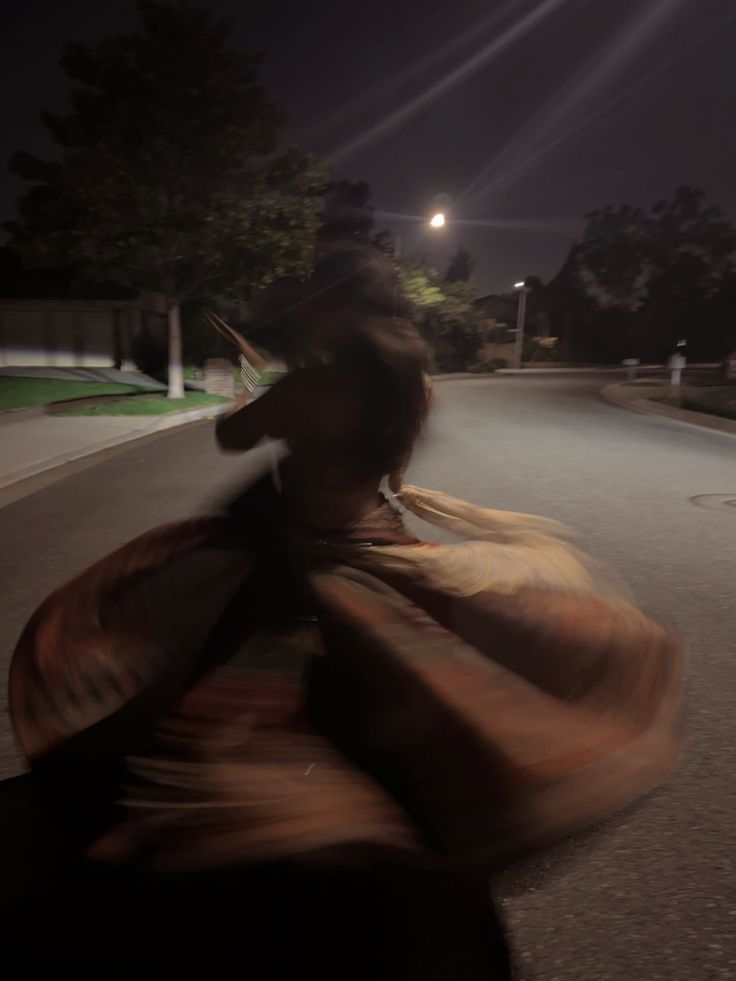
(438,220)
(520,317)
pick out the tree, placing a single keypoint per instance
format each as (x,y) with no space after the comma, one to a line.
(347,213)
(169,177)
(11,270)
(692,253)
(611,258)
(564,295)
(446,314)
(461,266)
(639,279)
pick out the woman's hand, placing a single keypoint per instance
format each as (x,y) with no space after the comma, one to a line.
(395,481)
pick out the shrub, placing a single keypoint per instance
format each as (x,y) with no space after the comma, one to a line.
(487,366)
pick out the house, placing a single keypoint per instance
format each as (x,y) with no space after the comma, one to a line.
(49,320)
(500,317)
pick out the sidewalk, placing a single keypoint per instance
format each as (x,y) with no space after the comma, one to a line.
(31,443)
(541,370)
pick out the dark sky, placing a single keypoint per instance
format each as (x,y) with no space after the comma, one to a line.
(527,113)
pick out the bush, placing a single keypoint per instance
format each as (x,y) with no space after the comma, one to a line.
(446,315)
(718,401)
(487,366)
(455,349)
(535,350)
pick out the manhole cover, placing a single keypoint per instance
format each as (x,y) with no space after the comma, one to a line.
(716,502)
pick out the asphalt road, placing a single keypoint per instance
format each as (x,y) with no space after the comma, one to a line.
(652,894)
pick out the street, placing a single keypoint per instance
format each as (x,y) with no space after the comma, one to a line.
(652,894)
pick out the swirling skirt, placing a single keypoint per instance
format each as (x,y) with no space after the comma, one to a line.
(232,691)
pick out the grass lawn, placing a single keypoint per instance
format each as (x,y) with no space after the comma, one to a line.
(718,400)
(24,393)
(147,405)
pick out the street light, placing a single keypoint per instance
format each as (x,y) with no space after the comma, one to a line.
(520,317)
(438,220)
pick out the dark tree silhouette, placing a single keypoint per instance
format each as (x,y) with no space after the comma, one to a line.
(169,177)
(639,280)
(461,266)
(347,213)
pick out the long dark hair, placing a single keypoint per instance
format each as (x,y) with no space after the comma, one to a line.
(376,343)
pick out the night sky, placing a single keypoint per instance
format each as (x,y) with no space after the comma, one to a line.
(527,113)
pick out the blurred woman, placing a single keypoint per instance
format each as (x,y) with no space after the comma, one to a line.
(304,700)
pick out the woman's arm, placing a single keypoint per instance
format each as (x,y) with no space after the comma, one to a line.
(251,421)
(315,405)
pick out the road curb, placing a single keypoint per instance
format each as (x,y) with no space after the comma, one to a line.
(462,375)
(614,395)
(590,370)
(466,375)
(159,424)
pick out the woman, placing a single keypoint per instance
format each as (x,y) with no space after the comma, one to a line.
(303,690)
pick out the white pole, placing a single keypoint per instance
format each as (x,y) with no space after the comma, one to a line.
(631,364)
(521,315)
(176,372)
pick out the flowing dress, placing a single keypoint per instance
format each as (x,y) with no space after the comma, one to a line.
(237,688)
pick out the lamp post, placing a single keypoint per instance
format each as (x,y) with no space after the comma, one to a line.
(520,318)
(439,220)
